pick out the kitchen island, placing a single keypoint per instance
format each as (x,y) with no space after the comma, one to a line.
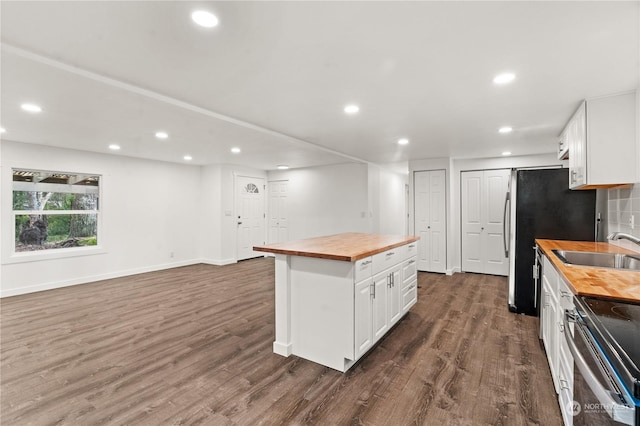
(336,296)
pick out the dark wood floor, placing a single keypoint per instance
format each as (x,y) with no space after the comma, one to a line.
(192,345)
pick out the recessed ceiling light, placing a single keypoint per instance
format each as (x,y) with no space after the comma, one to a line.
(188,157)
(506,153)
(235,150)
(504,78)
(403,141)
(351,109)
(2,130)
(204,18)
(114,147)
(162,135)
(505,129)
(31,107)
(283,167)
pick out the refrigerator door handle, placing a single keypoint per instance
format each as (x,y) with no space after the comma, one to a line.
(505,231)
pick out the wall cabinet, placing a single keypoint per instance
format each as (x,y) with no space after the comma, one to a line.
(602,142)
(563,146)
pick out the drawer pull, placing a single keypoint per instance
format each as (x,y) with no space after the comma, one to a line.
(365,263)
(390,254)
(412,246)
(412,261)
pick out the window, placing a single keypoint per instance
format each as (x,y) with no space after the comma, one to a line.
(54,210)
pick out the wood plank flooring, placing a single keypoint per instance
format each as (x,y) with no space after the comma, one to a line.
(193,345)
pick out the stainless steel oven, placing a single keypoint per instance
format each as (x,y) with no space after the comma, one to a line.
(604,342)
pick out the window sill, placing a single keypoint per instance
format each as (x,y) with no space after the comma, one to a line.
(63,253)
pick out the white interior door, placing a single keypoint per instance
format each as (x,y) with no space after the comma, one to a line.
(496,185)
(472,222)
(430,219)
(278,212)
(250,215)
(438,248)
(482,209)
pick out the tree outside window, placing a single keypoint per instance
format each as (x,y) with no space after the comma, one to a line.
(54,210)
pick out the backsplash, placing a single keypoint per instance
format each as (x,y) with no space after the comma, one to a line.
(624,202)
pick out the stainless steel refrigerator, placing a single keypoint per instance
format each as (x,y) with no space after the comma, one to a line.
(541,205)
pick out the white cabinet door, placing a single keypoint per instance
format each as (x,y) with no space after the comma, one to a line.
(577,141)
(394,295)
(550,329)
(363,317)
(482,210)
(430,219)
(379,305)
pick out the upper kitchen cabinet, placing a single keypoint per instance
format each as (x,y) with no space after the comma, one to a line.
(602,142)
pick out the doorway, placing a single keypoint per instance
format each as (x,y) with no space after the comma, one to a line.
(278,211)
(430,219)
(250,216)
(482,214)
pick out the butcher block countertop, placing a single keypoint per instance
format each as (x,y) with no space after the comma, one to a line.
(592,281)
(347,247)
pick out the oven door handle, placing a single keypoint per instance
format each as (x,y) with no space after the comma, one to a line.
(615,409)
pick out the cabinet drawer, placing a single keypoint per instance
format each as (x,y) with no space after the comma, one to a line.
(387,259)
(410,250)
(409,296)
(363,268)
(408,272)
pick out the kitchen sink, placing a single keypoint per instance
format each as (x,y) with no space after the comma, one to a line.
(600,260)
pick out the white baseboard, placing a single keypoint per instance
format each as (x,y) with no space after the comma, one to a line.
(453,270)
(283,349)
(93,278)
(218,262)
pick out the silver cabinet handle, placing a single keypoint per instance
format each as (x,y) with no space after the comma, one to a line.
(412,261)
(564,293)
(372,289)
(390,254)
(412,246)
(365,263)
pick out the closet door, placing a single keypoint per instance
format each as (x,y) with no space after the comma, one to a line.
(430,219)
(482,203)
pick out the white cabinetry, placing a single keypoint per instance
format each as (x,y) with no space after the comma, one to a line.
(363,315)
(556,298)
(563,146)
(550,317)
(388,295)
(603,147)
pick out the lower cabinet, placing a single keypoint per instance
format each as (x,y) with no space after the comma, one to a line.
(363,315)
(381,301)
(556,298)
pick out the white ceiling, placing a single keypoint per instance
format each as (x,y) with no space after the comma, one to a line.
(273,77)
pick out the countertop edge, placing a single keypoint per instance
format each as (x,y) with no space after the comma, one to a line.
(333,256)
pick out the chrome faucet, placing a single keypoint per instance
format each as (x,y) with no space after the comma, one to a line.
(618,235)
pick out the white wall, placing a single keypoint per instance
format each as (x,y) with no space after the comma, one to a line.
(390,198)
(326,200)
(149,210)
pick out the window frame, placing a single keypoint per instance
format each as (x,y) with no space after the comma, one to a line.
(58,253)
